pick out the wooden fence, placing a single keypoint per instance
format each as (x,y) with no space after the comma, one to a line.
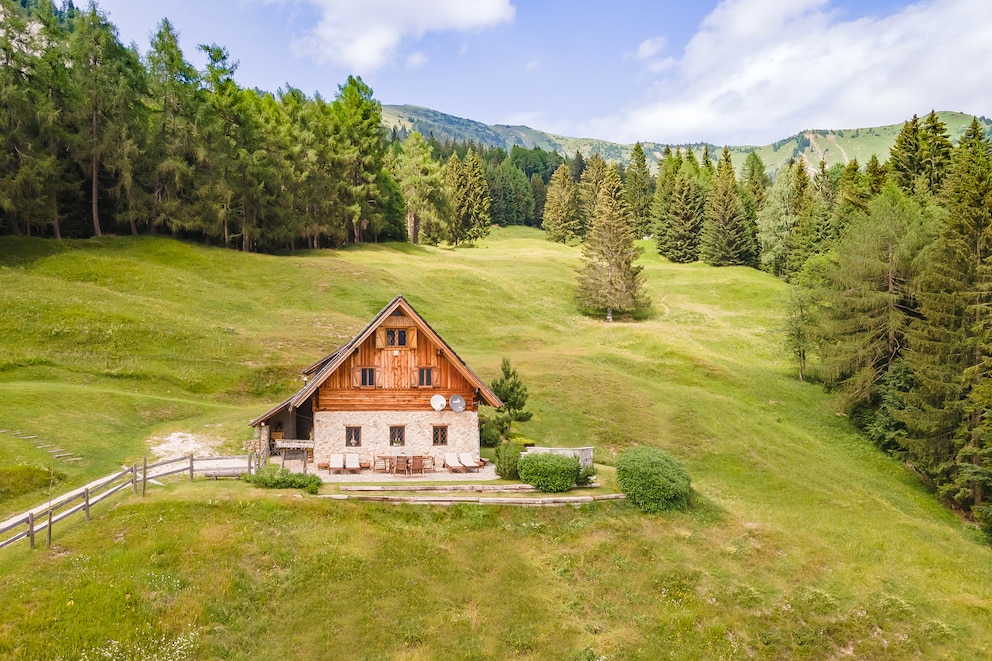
(41,519)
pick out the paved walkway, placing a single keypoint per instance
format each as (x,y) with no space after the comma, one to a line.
(440,475)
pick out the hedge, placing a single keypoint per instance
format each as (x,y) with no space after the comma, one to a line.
(551,473)
(652,480)
(272,477)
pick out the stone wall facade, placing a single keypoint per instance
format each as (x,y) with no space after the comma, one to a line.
(329,433)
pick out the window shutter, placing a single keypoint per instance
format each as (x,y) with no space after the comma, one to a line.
(356,377)
(435,374)
(378,378)
(415,378)
(411,338)
(380,338)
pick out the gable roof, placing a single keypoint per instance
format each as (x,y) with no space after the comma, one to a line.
(326,366)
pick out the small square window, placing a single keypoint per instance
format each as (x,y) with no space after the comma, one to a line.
(397,436)
(440,436)
(353,437)
(368,377)
(425,377)
(395,337)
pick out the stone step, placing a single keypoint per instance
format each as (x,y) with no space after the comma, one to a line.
(75,459)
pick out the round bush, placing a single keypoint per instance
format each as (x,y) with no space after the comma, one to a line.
(652,480)
(551,473)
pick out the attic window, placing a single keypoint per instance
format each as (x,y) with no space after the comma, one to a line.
(395,337)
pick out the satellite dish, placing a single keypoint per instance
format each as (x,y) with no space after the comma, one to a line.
(437,402)
(457,403)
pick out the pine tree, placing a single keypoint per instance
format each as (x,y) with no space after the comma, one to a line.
(638,187)
(561,211)
(608,278)
(684,221)
(726,238)
(513,393)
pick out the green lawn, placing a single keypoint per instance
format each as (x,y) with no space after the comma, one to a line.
(804,541)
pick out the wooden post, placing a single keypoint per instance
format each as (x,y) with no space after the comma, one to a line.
(250,461)
(144,475)
(191,468)
(86,502)
(48,542)
(31,528)
(305,461)
(134,479)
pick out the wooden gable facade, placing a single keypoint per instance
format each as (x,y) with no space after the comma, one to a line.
(386,377)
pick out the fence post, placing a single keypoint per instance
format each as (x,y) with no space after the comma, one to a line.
(134,479)
(191,468)
(250,461)
(305,453)
(144,475)
(48,543)
(86,502)
(31,528)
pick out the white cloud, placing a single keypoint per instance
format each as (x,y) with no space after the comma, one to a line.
(415,60)
(364,36)
(758,70)
(647,48)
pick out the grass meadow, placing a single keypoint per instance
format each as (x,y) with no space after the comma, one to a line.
(804,541)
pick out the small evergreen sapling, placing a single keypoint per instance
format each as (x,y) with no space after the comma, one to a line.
(509,388)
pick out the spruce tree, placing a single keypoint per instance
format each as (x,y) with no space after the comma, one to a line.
(951,343)
(935,152)
(421,181)
(684,220)
(754,179)
(904,157)
(539,193)
(638,187)
(589,186)
(662,198)
(513,393)
(561,210)
(608,279)
(876,176)
(726,238)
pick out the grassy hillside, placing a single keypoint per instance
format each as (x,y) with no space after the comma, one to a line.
(804,541)
(830,145)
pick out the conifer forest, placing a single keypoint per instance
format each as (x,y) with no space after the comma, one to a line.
(889,262)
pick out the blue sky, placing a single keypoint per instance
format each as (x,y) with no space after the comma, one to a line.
(734,72)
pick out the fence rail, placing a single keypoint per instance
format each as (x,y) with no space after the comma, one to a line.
(42,518)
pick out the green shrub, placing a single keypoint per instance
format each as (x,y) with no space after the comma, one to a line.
(585,476)
(551,473)
(507,456)
(488,433)
(273,477)
(652,480)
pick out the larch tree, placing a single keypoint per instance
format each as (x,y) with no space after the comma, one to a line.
(360,149)
(561,210)
(608,279)
(421,180)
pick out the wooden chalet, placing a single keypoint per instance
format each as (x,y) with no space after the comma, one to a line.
(395,387)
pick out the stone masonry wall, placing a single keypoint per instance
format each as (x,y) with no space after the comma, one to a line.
(329,433)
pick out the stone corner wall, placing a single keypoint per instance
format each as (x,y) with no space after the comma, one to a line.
(584,454)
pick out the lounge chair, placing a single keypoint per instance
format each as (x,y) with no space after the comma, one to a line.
(469,463)
(351,463)
(451,461)
(336,464)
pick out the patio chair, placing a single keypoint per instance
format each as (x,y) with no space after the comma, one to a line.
(469,463)
(336,464)
(401,464)
(451,461)
(351,463)
(416,464)
(429,463)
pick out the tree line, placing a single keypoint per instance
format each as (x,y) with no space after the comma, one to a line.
(98,137)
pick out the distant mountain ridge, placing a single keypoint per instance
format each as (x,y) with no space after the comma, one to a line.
(832,146)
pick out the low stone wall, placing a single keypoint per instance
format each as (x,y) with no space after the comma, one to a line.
(584,455)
